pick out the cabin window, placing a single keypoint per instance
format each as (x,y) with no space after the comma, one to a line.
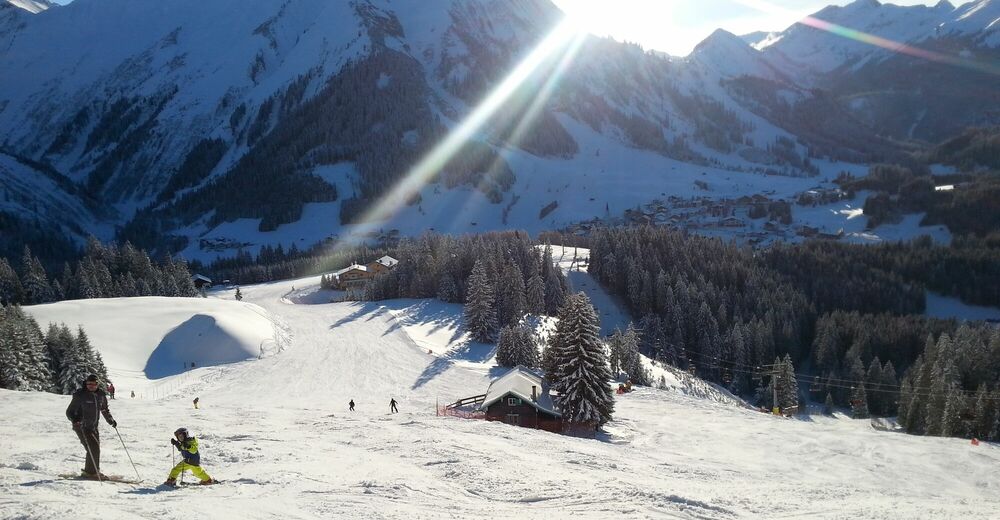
(513,418)
(513,401)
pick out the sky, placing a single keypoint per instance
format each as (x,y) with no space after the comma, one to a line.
(676,26)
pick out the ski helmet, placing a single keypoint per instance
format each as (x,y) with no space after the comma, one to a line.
(180,431)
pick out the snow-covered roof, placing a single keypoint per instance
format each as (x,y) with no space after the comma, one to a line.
(351,267)
(518,381)
(388,261)
(201,277)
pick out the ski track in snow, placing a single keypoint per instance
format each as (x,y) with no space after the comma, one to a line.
(278,433)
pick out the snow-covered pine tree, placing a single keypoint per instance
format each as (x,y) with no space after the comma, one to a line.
(507,347)
(984,411)
(951,421)
(859,402)
(535,295)
(480,313)
(517,346)
(10,285)
(510,295)
(529,347)
(447,291)
(615,353)
(788,387)
(94,361)
(873,380)
(73,368)
(580,366)
(631,360)
(35,285)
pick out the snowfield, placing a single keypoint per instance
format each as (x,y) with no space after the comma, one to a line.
(277,431)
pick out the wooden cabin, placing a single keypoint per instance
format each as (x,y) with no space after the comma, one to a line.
(521,398)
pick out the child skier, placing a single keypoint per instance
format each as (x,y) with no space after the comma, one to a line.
(191,460)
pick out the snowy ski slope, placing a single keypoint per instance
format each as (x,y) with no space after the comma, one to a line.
(278,431)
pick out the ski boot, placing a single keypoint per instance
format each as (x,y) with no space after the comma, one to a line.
(208,482)
(171,482)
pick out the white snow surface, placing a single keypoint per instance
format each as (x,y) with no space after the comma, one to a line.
(32,6)
(151,338)
(278,433)
(941,306)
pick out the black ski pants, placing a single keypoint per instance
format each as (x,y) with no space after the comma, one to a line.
(91,441)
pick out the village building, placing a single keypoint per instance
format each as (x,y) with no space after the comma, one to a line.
(201,282)
(355,276)
(521,398)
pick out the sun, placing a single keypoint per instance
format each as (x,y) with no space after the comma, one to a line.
(650,23)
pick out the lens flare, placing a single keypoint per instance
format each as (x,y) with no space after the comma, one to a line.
(563,40)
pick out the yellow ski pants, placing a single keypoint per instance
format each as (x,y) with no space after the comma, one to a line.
(195,470)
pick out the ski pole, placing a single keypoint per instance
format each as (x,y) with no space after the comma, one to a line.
(127,454)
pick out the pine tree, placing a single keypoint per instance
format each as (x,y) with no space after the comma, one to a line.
(828,405)
(535,296)
(510,295)
(73,366)
(788,389)
(984,413)
(447,291)
(517,346)
(873,380)
(580,366)
(951,420)
(480,313)
(34,282)
(10,286)
(859,402)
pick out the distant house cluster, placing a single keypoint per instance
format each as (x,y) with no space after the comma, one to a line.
(355,276)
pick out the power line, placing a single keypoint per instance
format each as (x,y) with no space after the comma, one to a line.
(848,384)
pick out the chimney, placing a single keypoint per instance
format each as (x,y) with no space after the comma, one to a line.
(534,393)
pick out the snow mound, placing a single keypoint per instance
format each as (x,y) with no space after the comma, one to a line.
(154,337)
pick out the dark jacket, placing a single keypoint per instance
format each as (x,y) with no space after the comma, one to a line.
(87,407)
(189,450)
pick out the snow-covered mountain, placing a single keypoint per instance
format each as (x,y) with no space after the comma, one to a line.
(32,6)
(290,118)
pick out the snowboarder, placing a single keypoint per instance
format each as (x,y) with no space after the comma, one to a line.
(191,459)
(392,406)
(111,389)
(351,404)
(83,411)
(195,402)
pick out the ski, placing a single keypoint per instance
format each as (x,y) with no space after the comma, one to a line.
(118,479)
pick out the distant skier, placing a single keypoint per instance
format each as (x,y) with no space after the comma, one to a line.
(392,406)
(351,404)
(111,389)
(191,459)
(196,402)
(83,411)
(133,394)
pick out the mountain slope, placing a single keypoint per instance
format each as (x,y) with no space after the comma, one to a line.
(278,433)
(292,119)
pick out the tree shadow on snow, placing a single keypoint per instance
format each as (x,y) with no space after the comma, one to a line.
(470,351)
(370,309)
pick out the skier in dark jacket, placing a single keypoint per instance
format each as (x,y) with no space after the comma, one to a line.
(351,404)
(84,411)
(392,406)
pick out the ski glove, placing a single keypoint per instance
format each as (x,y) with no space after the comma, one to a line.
(175,442)
(114,424)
